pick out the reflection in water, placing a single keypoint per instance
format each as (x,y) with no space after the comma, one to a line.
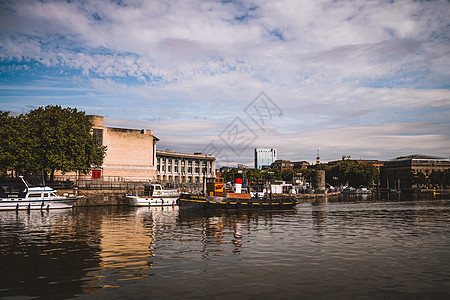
(223,227)
(46,254)
(338,247)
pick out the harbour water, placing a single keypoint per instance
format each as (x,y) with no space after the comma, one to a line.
(362,248)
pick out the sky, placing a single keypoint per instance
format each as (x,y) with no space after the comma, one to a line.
(368,79)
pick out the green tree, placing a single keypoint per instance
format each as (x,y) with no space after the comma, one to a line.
(49,139)
(6,145)
(63,141)
(353,173)
(15,142)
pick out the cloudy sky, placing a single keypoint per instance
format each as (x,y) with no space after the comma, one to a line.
(370,79)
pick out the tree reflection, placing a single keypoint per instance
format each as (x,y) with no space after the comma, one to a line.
(46,254)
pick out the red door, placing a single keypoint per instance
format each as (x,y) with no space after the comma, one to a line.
(96,174)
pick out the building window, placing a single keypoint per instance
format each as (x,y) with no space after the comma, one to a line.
(98,133)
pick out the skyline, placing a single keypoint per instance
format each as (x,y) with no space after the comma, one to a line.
(365,79)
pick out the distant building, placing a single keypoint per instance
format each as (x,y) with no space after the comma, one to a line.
(404,171)
(184,167)
(301,164)
(130,155)
(282,165)
(265,157)
(289,165)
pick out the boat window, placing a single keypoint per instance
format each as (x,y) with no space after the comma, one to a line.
(54,194)
(157,187)
(46,195)
(34,195)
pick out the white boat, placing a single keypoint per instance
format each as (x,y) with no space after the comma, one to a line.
(20,196)
(154,195)
(359,191)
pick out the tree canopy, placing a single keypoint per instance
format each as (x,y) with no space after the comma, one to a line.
(351,172)
(48,139)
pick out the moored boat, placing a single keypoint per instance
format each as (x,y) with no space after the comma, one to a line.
(216,198)
(359,191)
(154,195)
(18,195)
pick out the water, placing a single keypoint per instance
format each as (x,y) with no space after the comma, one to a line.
(361,248)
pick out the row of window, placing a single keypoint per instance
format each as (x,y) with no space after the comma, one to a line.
(172,165)
(188,179)
(176,169)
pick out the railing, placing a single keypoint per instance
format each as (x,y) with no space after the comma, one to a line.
(131,186)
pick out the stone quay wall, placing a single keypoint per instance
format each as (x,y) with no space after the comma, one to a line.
(98,198)
(116,198)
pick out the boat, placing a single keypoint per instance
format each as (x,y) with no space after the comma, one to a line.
(358,191)
(19,195)
(215,197)
(154,195)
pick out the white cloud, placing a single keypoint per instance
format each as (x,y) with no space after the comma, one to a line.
(332,66)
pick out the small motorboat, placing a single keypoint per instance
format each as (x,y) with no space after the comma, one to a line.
(18,195)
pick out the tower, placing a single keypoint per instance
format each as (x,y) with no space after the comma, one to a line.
(318,157)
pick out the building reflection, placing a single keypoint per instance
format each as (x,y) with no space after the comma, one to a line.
(127,244)
(61,254)
(319,212)
(227,227)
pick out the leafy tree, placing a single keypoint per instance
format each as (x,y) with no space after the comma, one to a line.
(15,142)
(353,173)
(49,139)
(6,146)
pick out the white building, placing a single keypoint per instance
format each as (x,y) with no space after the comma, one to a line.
(265,157)
(184,167)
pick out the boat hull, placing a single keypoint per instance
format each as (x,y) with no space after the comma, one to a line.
(198,202)
(35,204)
(151,201)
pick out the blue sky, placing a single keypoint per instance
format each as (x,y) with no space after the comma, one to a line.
(368,79)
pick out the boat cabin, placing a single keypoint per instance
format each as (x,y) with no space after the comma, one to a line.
(214,187)
(152,189)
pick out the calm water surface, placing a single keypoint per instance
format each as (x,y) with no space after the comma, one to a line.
(341,248)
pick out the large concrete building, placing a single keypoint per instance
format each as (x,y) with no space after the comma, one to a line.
(180,168)
(130,155)
(412,171)
(265,157)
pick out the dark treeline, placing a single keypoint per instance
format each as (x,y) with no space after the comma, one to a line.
(46,140)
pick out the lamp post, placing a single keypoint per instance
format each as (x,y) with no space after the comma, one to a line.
(182,173)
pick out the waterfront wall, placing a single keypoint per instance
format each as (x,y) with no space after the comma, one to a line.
(117,198)
(99,198)
(304,197)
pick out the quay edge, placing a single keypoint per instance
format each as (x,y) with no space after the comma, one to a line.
(118,198)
